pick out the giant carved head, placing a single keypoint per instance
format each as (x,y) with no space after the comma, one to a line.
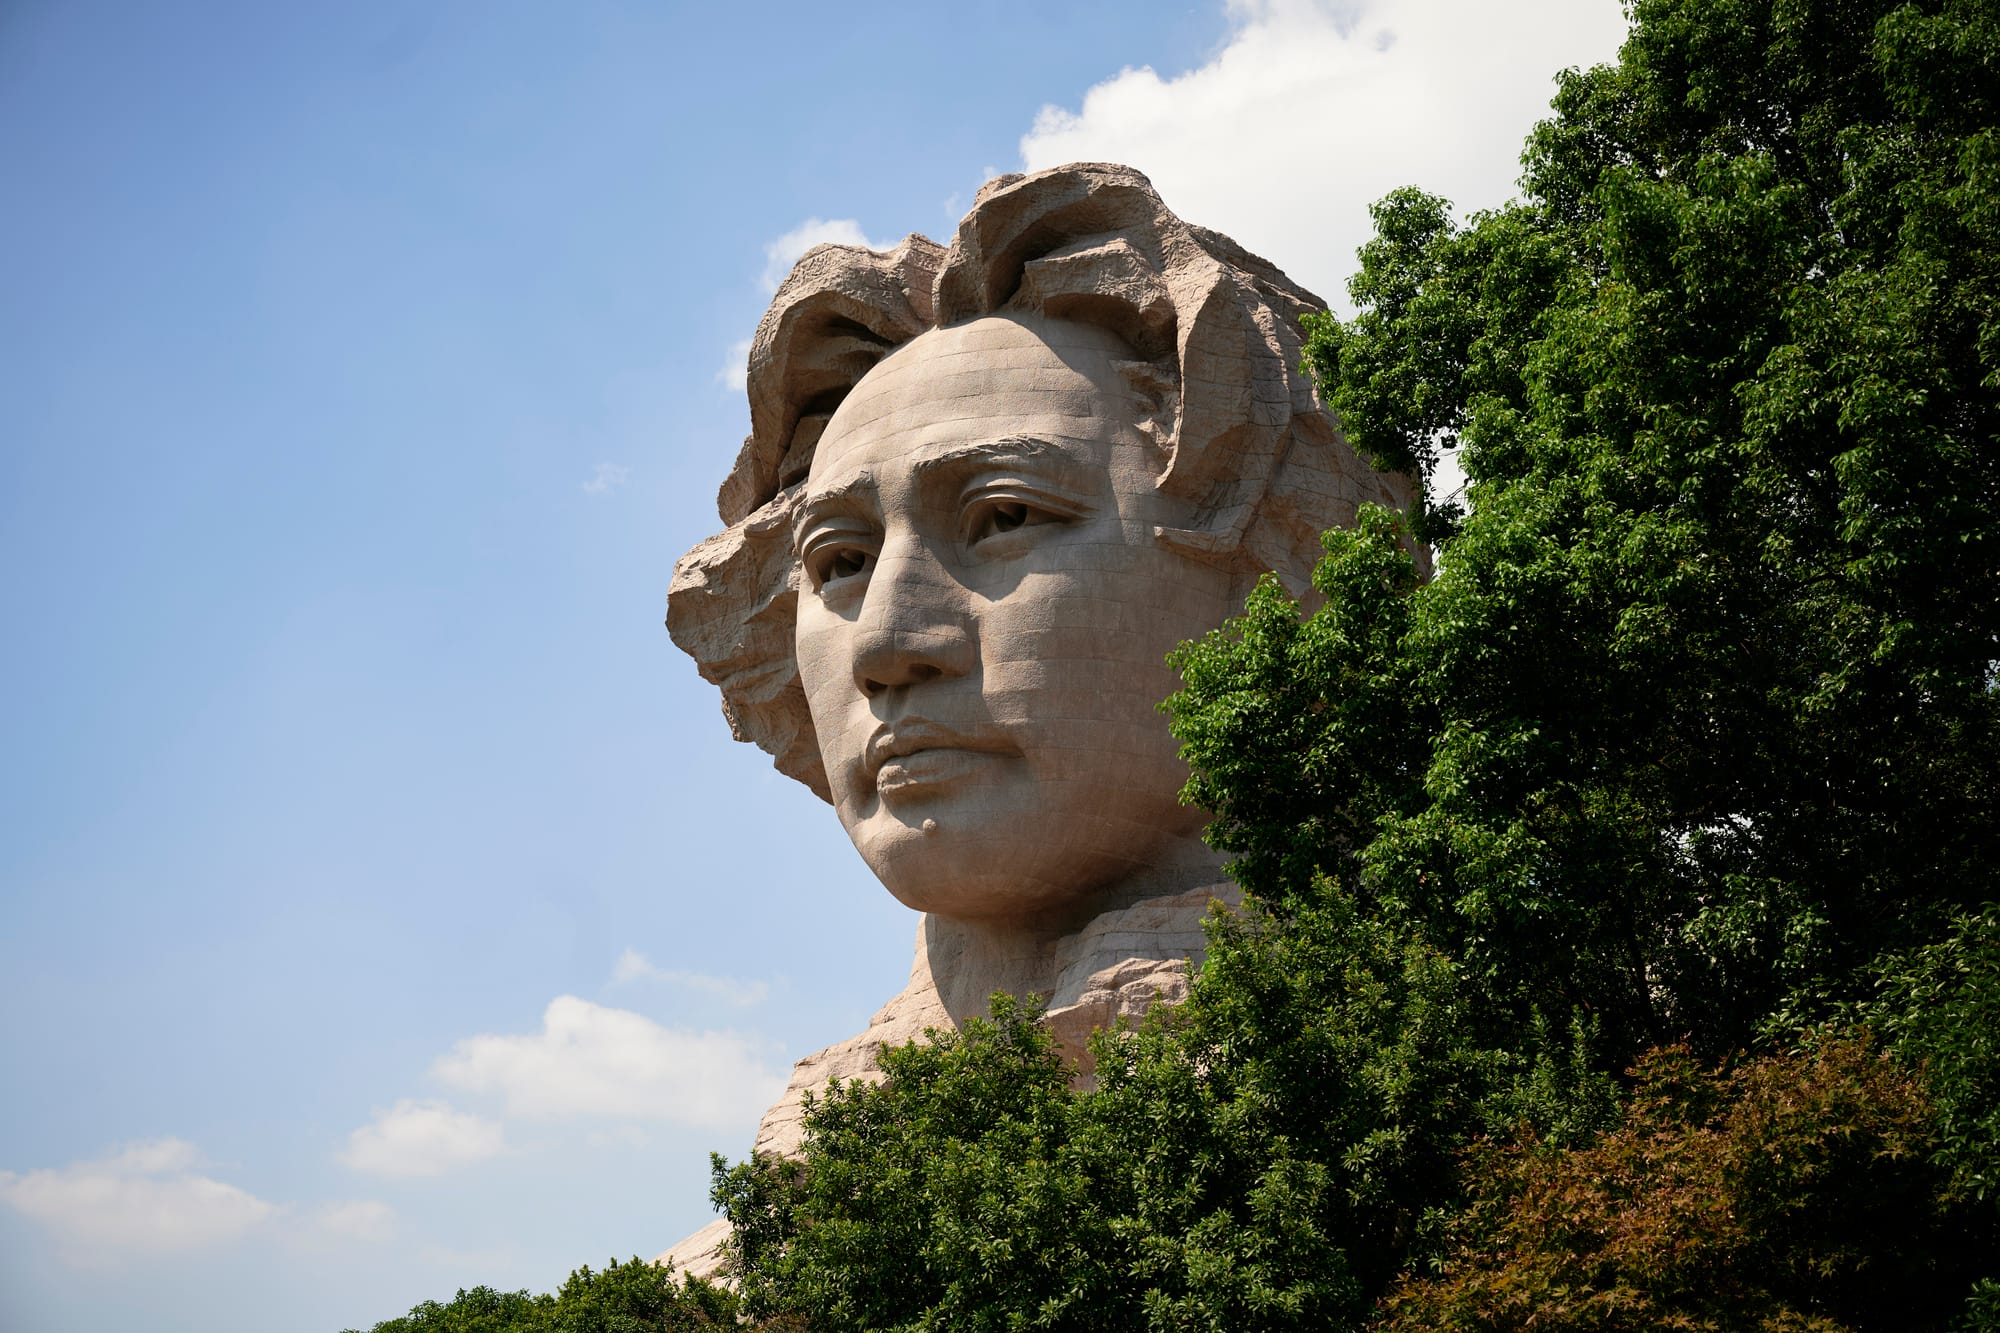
(986,490)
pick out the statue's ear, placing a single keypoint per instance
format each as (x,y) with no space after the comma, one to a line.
(1236,406)
(840,312)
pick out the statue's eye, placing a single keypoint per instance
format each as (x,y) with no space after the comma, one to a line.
(845,564)
(995,517)
(831,563)
(1005,518)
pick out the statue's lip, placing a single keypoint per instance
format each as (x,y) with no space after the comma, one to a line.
(913,735)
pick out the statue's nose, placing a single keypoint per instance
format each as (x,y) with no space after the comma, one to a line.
(916,622)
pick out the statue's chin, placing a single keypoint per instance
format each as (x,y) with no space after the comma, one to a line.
(945,885)
(990,899)
(969,877)
(1023,878)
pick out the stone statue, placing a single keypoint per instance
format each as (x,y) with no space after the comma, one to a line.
(986,489)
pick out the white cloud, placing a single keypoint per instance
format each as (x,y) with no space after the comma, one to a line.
(1314,110)
(625,1137)
(356,1219)
(592,1060)
(421,1138)
(781,254)
(605,478)
(735,372)
(146,1198)
(635,966)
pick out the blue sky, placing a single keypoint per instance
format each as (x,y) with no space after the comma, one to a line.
(384,907)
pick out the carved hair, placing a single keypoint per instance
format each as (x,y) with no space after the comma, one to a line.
(1216,333)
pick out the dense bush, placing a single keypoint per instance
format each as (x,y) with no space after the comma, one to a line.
(1260,1157)
(1792,1192)
(634,1297)
(1941,1005)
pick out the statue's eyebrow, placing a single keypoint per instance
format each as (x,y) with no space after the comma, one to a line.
(843,497)
(1005,449)
(841,492)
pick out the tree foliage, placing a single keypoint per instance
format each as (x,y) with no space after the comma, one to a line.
(959,1194)
(1700,714)
(1941,1005)
(1793,1192)
(634,1297)
(1262,1156)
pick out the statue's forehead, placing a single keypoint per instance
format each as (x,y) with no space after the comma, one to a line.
(992,374)
(996,334)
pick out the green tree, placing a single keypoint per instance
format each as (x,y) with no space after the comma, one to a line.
(961,1193)
(480,1310)
(633,1297)
(1695,734)
(637,1297)
(1700,713)
(1259,1157)
(1940,1005)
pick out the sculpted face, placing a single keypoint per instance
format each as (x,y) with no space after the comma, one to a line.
(984,617)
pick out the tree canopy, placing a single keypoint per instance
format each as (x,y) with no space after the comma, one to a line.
(633,1297)
(1700,715)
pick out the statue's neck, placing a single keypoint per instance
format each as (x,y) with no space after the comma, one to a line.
(969,960)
